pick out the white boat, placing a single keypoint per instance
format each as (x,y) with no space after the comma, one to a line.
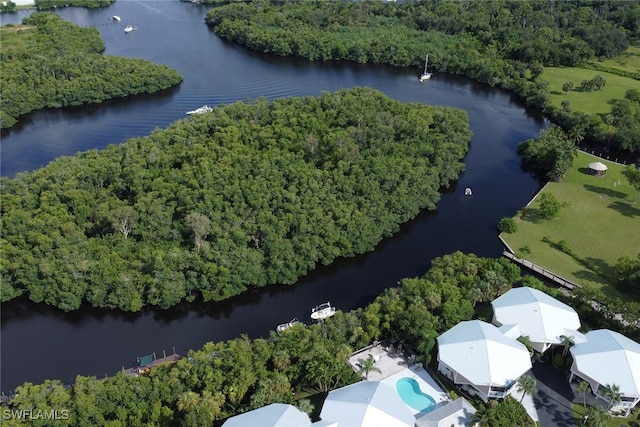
(426,75)
(129,28)
(201,110)
(116,18)
(468,192)
(284,326)
(322,311)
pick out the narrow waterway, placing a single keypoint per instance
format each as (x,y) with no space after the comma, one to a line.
(39,342)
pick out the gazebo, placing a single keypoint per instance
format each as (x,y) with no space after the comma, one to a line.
(478,357)
(539,316)
(597,168)
(609,358)
(366,404)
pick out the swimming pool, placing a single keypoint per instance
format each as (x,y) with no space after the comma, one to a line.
(409,391)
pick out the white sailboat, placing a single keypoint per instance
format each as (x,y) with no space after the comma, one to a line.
(426,75)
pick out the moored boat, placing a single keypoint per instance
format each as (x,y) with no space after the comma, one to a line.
(201,110)
(322,311)
(284,326)
(426,75)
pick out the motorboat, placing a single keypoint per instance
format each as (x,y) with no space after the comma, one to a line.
(468,192)
(116,18)
(322,311)
(426,75)
(284,326)
(201,110)
(129,28)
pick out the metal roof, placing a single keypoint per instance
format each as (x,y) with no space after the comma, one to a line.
(540,317)
(274,415)
(480,353)
(367,404)
(609,358)
(458,413)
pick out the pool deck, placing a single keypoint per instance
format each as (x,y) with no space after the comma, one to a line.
(394,365)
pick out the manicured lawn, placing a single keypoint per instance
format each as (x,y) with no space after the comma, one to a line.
(596,101)
(600,225)
(578,412)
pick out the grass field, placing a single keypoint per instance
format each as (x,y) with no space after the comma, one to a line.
(628,61)
(631,421)
(600,224)
(596,101)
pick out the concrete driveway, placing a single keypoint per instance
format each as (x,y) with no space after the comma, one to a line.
(554,396)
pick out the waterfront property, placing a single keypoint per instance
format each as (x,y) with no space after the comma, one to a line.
(481,360)
(540,317)
(367,404)
(606,359)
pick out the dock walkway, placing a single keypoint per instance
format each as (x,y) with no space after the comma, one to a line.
(542,271)
(139,370)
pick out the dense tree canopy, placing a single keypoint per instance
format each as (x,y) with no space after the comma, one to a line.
(247,195)
(49,62)
(551,153)
(500,43)
(226,378)
(50,4)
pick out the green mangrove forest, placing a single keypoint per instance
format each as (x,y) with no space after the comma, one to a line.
(226,378)
(49,62)
(249,194)
(501,43)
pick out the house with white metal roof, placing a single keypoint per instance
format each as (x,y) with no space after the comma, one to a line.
(476,356)
(458,413)
(605,359)
(366,404)
(274,415)
(540,317)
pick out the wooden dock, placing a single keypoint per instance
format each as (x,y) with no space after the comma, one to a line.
(541,271)
(141,370)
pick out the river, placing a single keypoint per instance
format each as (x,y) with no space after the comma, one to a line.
(39,342)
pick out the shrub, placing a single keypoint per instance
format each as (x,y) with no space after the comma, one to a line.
(558,360)
(507,225)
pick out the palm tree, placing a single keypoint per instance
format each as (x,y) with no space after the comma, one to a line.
(567,342)
(583,387)
(612,392)
(367,366)
(526,385)
(597,416)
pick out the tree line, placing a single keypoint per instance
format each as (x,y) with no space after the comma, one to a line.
(250,194)
(226,378)
(504,44)
(49,62)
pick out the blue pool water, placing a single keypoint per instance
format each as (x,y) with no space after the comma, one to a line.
(409,391)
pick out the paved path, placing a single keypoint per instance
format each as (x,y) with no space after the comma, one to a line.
(554,396)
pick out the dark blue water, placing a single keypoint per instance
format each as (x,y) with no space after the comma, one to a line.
(39,342)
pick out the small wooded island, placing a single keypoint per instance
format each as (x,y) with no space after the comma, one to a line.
(247,195)
(49,62)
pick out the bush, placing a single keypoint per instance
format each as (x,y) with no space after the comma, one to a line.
(550,206)
(558,361)
(507,225)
